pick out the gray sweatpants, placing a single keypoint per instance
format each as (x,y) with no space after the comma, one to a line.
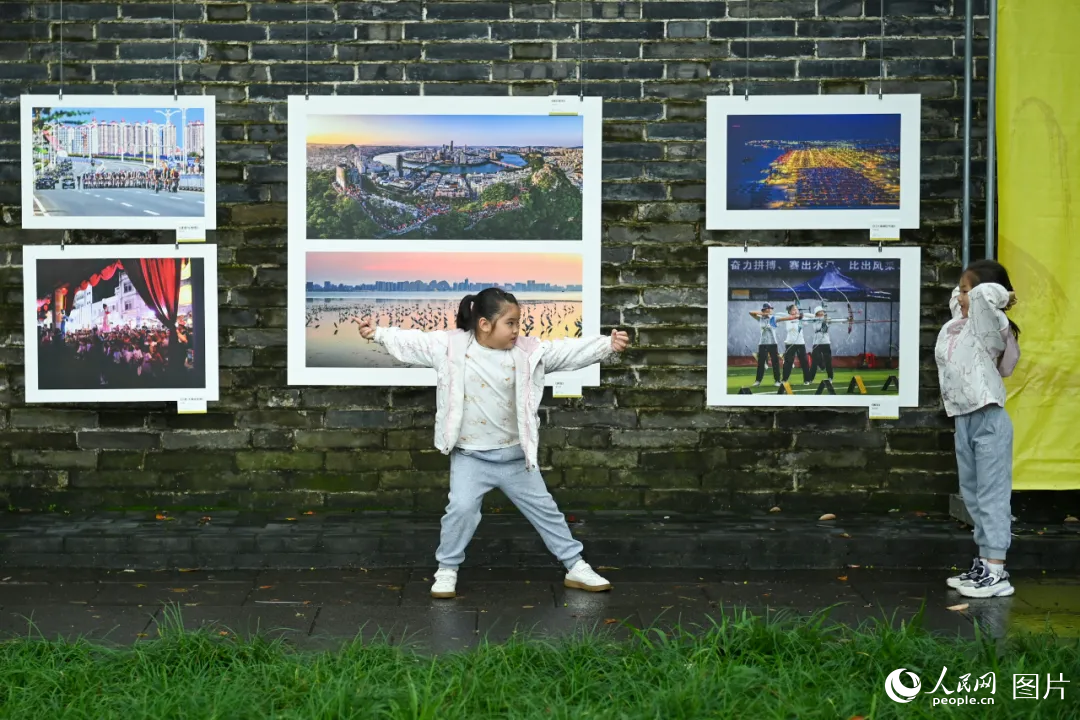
(984,444)
(472,474)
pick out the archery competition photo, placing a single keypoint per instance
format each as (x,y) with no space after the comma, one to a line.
(813,325)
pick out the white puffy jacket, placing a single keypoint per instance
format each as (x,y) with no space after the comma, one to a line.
(444,351)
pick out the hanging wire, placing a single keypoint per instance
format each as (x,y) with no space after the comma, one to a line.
(175,56)
(61,49)
(881,55)
(307,46)
(746,82)
(580,49)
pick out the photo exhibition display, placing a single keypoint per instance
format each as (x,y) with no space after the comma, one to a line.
(399,207)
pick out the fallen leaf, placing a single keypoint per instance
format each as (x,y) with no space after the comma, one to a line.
(223,633)
(528,607)
(265,587)
(1070,518)
(204,519)
(775,509)
(141,635)
(958,608)
(606,567)
(6,579)
(159,516)
(920,513)
(291,519)
(610,621)
(827,516)
(310,512)
(856,717)
(854,566)
(188,569)
(842,578)
(178,590)
(128,570)
(845,535)
(140,585)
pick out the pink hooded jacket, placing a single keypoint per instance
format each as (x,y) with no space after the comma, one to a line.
(444,351)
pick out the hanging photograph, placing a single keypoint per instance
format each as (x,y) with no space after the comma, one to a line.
(120,323)
(812,162)
(442,168)
(813,326)
(420,289)
(111,162)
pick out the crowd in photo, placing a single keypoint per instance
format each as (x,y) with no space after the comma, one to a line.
(119,358)
(154,179)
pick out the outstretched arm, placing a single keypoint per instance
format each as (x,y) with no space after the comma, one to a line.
(573,354)
(414,347)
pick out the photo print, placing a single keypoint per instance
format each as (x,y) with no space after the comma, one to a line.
(113,162)
(813,326)
(421,290)
(128,323)
(812,162)
(434,168)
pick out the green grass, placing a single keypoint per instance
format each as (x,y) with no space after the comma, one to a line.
(741,377)
(741,667)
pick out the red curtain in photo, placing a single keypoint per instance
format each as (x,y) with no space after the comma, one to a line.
(157,280)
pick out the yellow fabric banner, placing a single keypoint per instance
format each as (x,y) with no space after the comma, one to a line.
(1038,120)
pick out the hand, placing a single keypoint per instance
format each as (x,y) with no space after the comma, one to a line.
(367,328)
(1012,300)
(619,340)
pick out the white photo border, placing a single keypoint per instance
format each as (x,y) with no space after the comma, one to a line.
(300,107)
(720,107)
(30,221)
(205,252)
(908,340)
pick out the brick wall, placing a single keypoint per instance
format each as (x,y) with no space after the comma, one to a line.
(644,439)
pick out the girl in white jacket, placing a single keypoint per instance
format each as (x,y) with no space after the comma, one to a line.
(974,351)
(490,380)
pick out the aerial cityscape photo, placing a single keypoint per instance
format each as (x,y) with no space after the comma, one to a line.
(813,162)
(119,162)
(422,291)
(444,177)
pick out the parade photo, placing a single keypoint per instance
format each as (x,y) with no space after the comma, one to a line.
(109,162)
(826,161)
(813,326)
(422,291)
(431,169)
(120,323)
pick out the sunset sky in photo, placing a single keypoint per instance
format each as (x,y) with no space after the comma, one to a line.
(353,268)
(436,130)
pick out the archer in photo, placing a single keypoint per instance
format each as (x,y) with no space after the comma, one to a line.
(842,322)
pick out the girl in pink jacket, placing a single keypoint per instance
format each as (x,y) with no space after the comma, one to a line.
(490,383)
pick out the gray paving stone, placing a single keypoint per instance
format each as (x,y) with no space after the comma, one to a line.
(288,623)
(434,629)
(326,593)
(481,595)
(39,594)
(186,594)
(104,624)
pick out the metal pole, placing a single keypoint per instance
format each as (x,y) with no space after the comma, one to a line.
(991,137)
(969,23)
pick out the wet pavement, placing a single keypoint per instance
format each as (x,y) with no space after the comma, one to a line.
(321,609)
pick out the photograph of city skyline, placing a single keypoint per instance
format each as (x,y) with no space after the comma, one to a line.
(416,290)
(110,162)
(444,177)
(813,162)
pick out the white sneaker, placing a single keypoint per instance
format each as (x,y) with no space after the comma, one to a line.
(445,583)
(975,571)
(583,577)
(987,585)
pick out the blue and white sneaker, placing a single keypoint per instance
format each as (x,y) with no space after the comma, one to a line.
(987,585)
(976,570)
